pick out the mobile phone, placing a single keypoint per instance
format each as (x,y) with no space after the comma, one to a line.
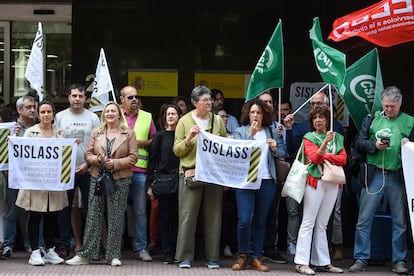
(385,140)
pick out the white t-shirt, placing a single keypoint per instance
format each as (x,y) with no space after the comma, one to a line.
(261,136)
(78,126)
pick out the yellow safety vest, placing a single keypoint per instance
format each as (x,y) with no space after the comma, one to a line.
(141,128)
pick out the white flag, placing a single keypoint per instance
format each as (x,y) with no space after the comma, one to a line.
(35,65)
(102,85)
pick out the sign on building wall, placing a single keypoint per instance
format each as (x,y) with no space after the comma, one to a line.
(154,83)
(233,85)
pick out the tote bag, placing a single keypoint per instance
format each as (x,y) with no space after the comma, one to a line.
(333,173)
(295,183)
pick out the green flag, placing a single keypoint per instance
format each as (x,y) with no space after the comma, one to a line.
(329,61)
(268,72)
(362,87)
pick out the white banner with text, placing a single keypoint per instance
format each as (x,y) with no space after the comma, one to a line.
(42,163)
(6,130)
(407,155)
(230,162)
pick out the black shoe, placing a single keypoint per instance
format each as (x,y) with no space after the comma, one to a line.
(7,254)
(275,258)
(168,260)
(63,252)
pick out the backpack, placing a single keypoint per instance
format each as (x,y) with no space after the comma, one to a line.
(356,157)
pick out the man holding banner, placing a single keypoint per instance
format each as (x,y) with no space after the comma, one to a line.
(26,108)
(381,140)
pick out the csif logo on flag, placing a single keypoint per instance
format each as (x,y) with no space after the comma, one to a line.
(362,88)
(323,62)
(266,61)
(329,61)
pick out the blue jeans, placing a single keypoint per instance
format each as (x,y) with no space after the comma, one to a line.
(64,216)
(270,242)
(253,207)
(137,195)
(10,219)
(395,192)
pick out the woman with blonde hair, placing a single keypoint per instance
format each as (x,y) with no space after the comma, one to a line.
(114,144)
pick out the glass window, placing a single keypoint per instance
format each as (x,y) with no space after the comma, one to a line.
(57,43)
(1,60)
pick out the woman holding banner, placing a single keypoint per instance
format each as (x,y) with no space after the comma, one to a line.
(114,144)
(319,200)
(195,195)
(43,204)
(253,205)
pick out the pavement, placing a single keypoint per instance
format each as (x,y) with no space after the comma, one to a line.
(132,266)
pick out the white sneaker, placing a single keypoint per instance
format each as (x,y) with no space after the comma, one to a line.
(227,251)
(52,257)
(36,258)
(78,261)
(145,256)
(116,262)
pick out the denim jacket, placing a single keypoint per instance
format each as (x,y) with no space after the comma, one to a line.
(242,133)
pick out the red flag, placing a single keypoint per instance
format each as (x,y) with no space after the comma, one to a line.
(385,24)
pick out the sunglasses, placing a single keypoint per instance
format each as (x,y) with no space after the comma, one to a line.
(132,97)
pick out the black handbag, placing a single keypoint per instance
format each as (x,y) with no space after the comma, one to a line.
(105,182)
(165,183)
(282,166)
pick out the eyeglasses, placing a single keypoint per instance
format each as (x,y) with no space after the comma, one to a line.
(316,103)
(224,116)
(132,97)
(207,100)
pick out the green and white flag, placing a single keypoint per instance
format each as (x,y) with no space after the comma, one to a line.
(329,61)
(362,87)
(269,71)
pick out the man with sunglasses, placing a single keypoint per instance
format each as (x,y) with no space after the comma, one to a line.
(141,122)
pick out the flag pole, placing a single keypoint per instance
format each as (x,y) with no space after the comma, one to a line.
(279,104)
(300,107)
(330,108)
(113,93)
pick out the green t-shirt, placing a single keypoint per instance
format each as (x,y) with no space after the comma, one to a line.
(396,129)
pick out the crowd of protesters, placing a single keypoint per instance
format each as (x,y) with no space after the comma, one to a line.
(192,220)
